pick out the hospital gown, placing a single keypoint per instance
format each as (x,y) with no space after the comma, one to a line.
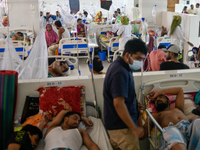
(183,132)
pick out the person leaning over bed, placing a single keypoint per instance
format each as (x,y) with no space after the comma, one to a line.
(28,137)
(179,132)
(68,135)
(120,104)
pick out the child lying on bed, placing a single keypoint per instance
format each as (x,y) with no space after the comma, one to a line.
(28,137)
(179,132)
(67,136)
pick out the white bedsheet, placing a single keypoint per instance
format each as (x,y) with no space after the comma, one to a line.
(97,133)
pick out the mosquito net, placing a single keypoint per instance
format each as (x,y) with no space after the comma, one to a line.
(35,66)
(11,60)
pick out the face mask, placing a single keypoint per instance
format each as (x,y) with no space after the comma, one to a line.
(161,106)
(136,65)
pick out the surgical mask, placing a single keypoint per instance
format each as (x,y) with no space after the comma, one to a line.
(136,65)
(161,106)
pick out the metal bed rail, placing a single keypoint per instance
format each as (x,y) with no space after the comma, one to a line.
(157,126)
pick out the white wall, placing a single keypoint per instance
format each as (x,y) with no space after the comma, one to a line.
(21,16)
(146,7)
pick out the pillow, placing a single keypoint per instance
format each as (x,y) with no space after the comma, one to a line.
(54,99)
(151,106)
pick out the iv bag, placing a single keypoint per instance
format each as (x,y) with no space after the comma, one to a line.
(91,37)
(74,27)
(154,11)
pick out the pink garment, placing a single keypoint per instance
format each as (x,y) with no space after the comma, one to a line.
(51,36)
(155,59)
(150,46)
(79,29)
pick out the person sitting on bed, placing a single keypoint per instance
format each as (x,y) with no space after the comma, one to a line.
(179,132)
(172,54)
(68,135)
(58,69)
(28,137)
(97,66)
(62,33)
(50,35)
(80,28)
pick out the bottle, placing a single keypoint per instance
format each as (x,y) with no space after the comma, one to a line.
(50,20)
(147,38)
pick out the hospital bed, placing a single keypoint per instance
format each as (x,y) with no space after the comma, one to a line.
(28,34)
(165,40)
(72,62)
(68,46)
(97,132)
(21,47)
(187,84)
(111,45)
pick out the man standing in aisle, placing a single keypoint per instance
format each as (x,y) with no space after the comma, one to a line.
(120,104)
(191,10)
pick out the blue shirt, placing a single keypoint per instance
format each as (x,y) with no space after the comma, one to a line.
(119,83)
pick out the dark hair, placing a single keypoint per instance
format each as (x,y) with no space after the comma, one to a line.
(164,96)
(197,4)
(161,46)
(33,130)
(115,12)
(57,11)
(41,12)
(78,19)
(58,23)
(175,54)
(118,8)
(184,8)
(191,5)
(72,113)
(85,12)
(97,64)
(134,46)
(63,62)
(19,33)
(47,13)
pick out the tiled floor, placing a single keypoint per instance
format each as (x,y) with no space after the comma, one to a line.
(84,67)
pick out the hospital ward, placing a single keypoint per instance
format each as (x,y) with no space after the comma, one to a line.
(99,74)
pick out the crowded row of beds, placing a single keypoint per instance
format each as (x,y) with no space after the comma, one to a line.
(189,81)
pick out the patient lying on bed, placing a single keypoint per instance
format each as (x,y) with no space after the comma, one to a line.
(179,132)
(58,69)
(67,136)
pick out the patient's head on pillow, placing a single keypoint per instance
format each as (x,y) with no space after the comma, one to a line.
(162,102)
(72,120)
(35,134)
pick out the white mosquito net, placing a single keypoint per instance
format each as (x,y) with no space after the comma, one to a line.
(68,19)
(35,66)
(11,60)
